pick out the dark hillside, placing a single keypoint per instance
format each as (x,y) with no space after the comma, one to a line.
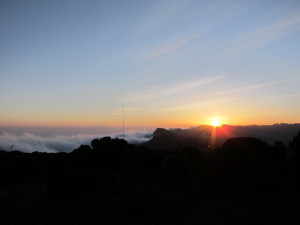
(246,181)
(198,137)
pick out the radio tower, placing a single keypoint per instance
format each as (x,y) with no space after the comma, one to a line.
(123,117)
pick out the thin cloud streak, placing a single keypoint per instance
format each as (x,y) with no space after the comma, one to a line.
(288,96)
(205,27)
(252,87)
(166,47)
(196,105)
(159,92)
(262,36)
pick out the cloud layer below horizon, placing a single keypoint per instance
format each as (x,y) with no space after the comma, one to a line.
(29,142)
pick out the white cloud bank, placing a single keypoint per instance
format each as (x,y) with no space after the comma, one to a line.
(28,142)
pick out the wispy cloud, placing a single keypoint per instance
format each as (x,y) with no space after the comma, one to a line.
(263,35)
(252,87)
(207,22)
(166,47)
(158,92)
(159,15)
(283,97)
(196,105)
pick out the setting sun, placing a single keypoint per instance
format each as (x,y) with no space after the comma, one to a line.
(215,122)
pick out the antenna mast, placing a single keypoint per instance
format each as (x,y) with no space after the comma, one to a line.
(123,119)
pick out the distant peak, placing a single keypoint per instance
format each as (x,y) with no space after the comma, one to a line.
(160,132)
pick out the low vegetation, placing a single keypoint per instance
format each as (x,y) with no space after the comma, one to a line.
(246,181)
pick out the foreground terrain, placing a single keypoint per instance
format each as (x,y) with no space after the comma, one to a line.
(246,181)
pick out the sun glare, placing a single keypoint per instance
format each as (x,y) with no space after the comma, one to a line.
(215,122)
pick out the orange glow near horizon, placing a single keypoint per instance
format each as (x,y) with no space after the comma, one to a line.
(215,122)
(166,120)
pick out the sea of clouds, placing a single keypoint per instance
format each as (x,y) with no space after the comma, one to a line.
(51,142)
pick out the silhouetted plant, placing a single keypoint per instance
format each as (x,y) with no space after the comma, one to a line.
(295,146)
(82,156)
(95,143)
(244,155)
(83,149)
(279,151)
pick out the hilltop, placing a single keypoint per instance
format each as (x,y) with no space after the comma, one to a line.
(198,137)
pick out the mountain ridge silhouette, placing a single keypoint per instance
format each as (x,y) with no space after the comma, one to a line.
(198,137)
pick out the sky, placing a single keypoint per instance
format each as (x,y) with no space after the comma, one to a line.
(166,63)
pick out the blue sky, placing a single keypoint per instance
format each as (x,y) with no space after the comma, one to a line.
(171,63)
